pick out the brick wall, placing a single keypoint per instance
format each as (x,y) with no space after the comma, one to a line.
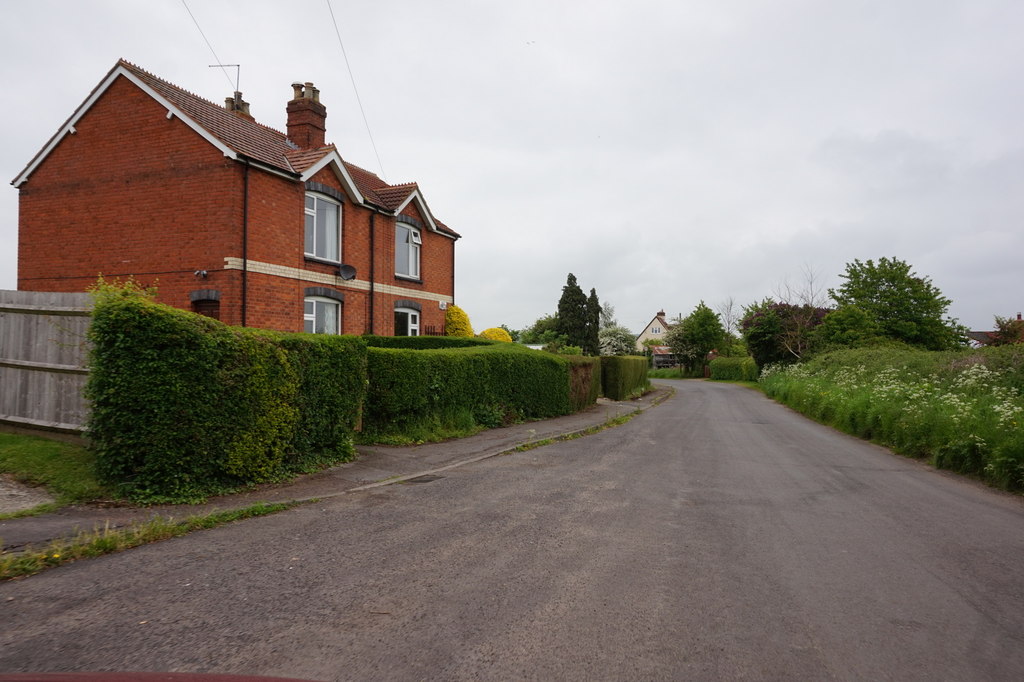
(135,193)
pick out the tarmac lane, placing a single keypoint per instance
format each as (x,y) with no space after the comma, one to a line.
(716,536)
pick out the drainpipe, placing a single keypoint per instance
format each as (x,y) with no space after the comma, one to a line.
(245,242)
(373,263)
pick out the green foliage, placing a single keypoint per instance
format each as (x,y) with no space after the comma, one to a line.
(332,386)
(496,334)
(456,322)
(904,306)
(184,407)
(572,313)
(592,345)
(963,409)
(65,469)
(616,340)
(420,394)
(425,342)
(624,377)
(543,332)
(1008,331)
(849,326)
(697,335)
(779,332)
(733,369)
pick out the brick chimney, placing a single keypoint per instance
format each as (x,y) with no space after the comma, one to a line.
(238,106)
(306,117)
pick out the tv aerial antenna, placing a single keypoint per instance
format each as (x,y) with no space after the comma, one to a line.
(238,72)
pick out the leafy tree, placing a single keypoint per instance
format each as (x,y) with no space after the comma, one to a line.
(608,316)
(698,334)
(847,326)
(779,332)
(572,313)
(592,346)
(1008,331)
(512,333)
(543,332)
(456,322)
(905,306)
(617,340)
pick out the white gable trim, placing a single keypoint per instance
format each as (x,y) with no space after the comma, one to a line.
(69,126)
(421,203)
(333,159)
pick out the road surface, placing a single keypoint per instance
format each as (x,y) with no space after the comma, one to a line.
(718,536)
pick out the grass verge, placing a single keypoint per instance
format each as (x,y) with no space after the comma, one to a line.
(100,541)
(64,469)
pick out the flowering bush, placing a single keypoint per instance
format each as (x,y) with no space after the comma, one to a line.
(496,334)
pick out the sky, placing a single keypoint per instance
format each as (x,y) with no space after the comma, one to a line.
(665,153)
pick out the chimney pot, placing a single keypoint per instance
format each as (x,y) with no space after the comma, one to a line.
(306,117)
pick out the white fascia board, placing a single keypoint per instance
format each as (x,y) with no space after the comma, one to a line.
(333,159)
(421,203)
(69,126)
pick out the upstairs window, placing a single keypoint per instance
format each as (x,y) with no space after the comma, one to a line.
(323,228)
(322,316)
(407,251)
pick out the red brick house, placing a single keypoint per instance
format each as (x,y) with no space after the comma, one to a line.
(229,217)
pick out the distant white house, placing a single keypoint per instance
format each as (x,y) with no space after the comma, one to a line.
(655,330)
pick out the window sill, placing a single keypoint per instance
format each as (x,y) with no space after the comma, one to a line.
(406,278)
(324,261)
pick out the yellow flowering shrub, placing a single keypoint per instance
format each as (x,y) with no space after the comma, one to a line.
(456,322)
(496,334)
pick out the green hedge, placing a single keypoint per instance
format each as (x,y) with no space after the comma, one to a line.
(427,391)
(624,376)
(734,369)
(425,342)
(184,407)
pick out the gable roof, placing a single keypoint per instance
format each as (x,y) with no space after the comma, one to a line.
(243,139)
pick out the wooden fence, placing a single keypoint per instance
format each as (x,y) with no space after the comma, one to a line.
(43,353)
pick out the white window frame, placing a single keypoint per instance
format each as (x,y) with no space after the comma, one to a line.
(310,319)
(410,247)
(414,320)
(310,213)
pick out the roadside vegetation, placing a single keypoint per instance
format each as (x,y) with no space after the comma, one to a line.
(962,410)
(65,470)
(89,544)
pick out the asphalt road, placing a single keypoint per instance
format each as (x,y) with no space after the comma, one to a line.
(718,536)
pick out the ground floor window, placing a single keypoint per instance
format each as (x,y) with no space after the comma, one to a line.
(207,307)
(407,322)
(322,316)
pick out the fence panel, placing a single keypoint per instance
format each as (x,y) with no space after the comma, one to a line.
(43,354)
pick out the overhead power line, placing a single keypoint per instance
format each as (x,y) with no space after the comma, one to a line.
(212,51)
(356,90)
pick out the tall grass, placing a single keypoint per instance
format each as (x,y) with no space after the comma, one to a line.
(962,410)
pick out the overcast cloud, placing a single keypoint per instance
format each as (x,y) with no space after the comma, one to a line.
(663,152)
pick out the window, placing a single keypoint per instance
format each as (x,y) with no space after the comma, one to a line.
(407,251)
(207,307)
(323,228)
(655,330)
(322,316)
(407,322)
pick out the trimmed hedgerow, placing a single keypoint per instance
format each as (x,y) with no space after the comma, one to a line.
(733,369)
(624,376)
(184,407)
(425,342)
(414,395)
(332,385)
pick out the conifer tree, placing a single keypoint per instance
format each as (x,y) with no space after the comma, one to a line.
(593,344)
(572,313)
